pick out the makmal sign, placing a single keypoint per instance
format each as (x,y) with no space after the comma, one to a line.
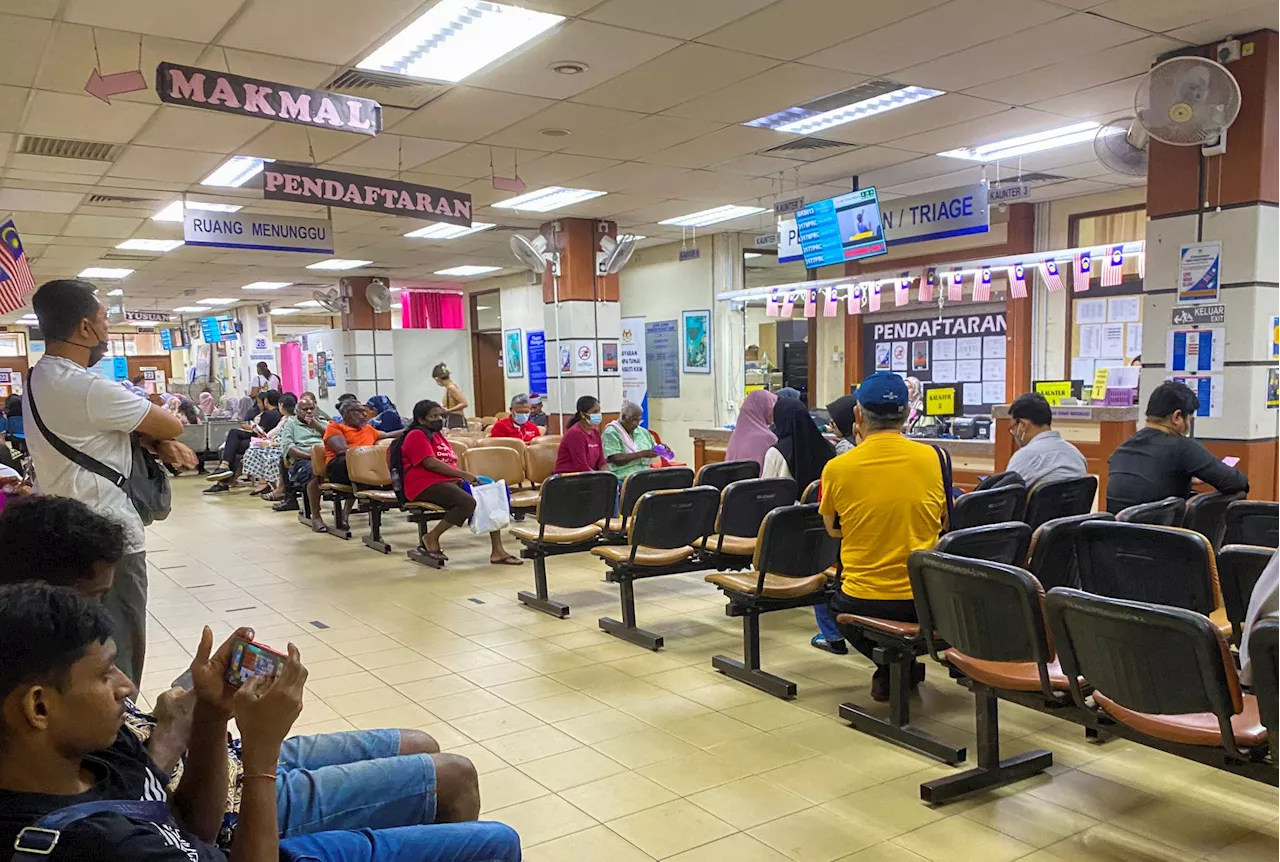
(268,100)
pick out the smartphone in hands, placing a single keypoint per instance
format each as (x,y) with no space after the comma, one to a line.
(249,659)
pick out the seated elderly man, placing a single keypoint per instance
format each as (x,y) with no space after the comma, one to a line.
(517,425)
(628,447)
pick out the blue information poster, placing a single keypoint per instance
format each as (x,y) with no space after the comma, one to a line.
(536,356)
(166,341)
(662,355)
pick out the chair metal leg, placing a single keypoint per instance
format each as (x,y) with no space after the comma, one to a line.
(627,629)
(419,554)
(538,598)
(897,728)
(340,527)
(748,670)
(374,539)
(991,770)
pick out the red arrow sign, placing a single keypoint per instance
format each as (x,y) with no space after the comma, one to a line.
(106,86)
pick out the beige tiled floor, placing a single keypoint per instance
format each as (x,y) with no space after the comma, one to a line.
(597,749)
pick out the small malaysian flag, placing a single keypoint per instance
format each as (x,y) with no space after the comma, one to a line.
(902,293)
(854,301)
(771,305)
(1113,273)
(1083,272)
(927,284)
(811,302)
(831,306)
(788,303)
(1052,278)
(1018,281)
(16,283)
(955,286)
(873,296)
(982,287)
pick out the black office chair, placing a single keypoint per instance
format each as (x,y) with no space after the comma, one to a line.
(1253,522)
(1145,563)
(1060,498)
(1239,567)
(1264,658)
(999,480)
(811,493)
(743,507)
(723,473)
(1052,556)
(978,508)
(1207,515)
(1168,512)
(996,543)
(635,486)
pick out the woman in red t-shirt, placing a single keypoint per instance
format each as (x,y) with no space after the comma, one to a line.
(431,475)
(581,450)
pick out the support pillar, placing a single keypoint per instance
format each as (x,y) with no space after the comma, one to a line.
(1232,199)
(366,343)
(581,320)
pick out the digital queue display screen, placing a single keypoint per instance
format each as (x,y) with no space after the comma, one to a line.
(843,228)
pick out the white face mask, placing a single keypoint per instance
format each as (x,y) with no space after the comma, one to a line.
(594,418)
(519,418)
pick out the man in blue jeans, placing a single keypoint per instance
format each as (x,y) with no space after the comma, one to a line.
(376,779)
(76,785)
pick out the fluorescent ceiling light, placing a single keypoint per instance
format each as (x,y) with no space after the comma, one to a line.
(457,37)
(712,216)
(104,272)
(190,309)
(266,285)
(286,311)
(1021,146)
(29,317)
(635,236)
(215,301)
(339,263)
(748,255)
(397,306)
(467,269)
(484,308)
(550,198)
(119,291)
(235,171)
(805,122)
(447,231)
(310,303)
(173,212)
(160,245)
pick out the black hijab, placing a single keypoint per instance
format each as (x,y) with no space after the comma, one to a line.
(800,442)
(841,411)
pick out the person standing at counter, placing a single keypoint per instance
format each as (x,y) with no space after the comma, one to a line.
(1042,456)
(801,451)
(751,436)
(1161,459)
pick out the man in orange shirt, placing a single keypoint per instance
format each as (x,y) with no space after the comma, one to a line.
(354,430)
(517,425)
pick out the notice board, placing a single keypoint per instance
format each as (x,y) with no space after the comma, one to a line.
(662,354)
(968,350)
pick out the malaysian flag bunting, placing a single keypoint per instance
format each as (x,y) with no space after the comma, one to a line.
(927,284)
(831,306)
(788,303)
(855,301)
(771,306)
(982,287)
(16,283)
(1017,281)
(955,286)
(1083,273)
(873,296)
(811,302)
(1113,273)
(902,294)
(1052,277)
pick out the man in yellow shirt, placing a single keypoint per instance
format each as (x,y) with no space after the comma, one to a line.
(883,500)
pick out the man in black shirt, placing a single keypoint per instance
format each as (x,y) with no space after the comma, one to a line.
(1161,460)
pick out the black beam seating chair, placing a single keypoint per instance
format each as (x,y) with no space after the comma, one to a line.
(899,644)
(743,507)
(1060,498)
(634,487)
(812,493)
(569,508)
(662,532)
(1239,567)
(1160,676)
(999,480)
(985,621)
(994,506)
(371,479)
(1253,522)
(1264,656)
(1207,515)
(1052,556)
(1168,512)
(342,496)
(793,562)
(722,473)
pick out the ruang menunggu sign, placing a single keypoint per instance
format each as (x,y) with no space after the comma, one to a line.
(257,231)
(305,184)
(268,100)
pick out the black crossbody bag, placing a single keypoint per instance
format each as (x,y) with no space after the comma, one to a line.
(146,486)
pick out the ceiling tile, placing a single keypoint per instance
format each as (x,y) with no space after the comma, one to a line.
(1096,102)
(582,121)
(267,67)
(182,166)
(31,8)
(37,223)
(558,169)
(101,226)
(334,33)
(956,25)
(1168,14)
(984,130)
(469,114)
(677,76)
(473,160)
(75,50)
(294,143)
(394,152)
(773,90)
(679,19)
(794,28)
(79,170)
(11,101)
(24,41)
(719,146)
(39,201)
(639,139)
(607,51)
(192,20)
(632,176)
(758,166)
(181,128)
(902,124)
(1263,17)
(907,171)
(84,118)
(847,164)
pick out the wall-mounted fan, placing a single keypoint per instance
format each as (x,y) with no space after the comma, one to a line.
(1121,146)
(614,253)
(530,252)
(378,295)
(330,300)
(1187,101)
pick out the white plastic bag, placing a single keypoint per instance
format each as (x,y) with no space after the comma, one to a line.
(493,509)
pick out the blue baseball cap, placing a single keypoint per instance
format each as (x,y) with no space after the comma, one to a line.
(884,392)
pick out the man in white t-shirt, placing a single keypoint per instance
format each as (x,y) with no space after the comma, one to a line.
(264,380)
(95,416)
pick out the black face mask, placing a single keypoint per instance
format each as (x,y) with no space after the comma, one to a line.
(434,425)
(97,352)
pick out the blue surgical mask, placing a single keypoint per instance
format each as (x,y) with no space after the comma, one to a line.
(519,418)
(594,418)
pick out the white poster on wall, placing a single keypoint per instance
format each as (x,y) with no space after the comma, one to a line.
(635,381)
(584,357)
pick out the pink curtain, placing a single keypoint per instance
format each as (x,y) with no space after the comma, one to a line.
(291,367)
(431,309)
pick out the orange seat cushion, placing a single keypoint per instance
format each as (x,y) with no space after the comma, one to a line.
(734,546)
(379,496)
(644,556)
(775,586)
(1009,675)
(1196,728)
(889,627)
(555,535)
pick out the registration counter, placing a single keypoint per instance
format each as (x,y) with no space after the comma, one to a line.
(1095,431)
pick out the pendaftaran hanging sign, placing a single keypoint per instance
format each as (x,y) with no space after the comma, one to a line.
(305,184)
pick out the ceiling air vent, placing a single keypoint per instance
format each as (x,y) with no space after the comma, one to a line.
(391,91)
(115,255)
(65,148)
(117,200)
(808,149)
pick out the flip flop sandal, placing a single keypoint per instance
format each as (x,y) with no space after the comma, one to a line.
(508,560)
(319,527)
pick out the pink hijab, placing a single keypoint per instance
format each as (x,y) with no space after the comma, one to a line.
(751,437)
